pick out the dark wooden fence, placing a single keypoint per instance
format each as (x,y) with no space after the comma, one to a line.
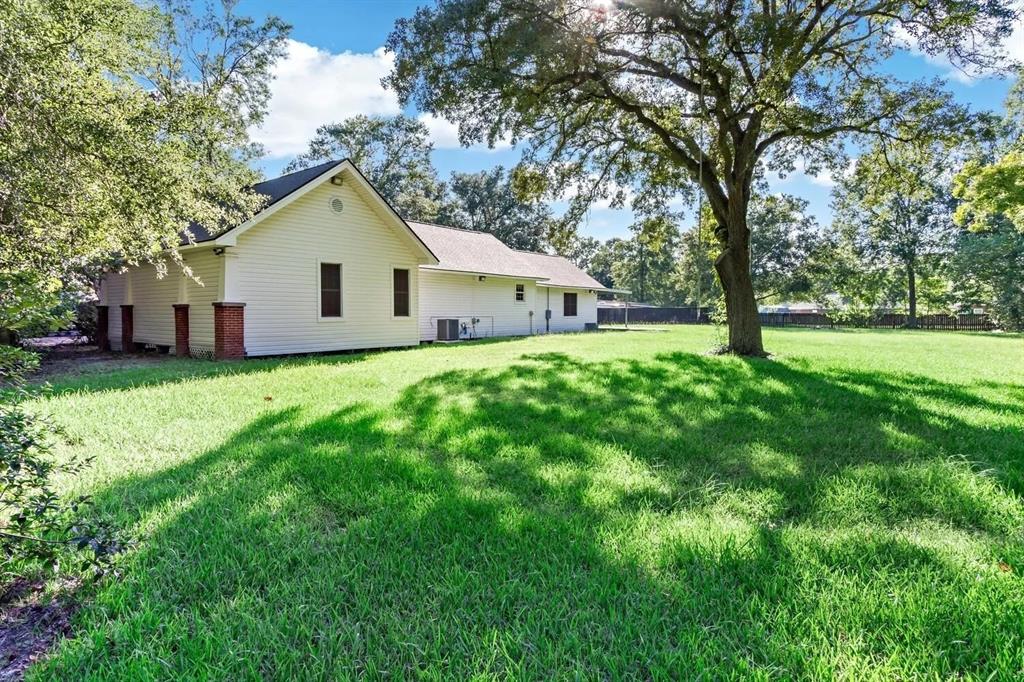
(966,322)
(654,315)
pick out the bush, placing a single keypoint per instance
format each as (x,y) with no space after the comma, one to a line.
(37,528)
(85,319)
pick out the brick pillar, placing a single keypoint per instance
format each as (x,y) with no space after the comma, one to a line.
(102,327)
(127,329)
(181,330)
(228,331)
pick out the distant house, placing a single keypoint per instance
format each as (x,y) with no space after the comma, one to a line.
(328,265)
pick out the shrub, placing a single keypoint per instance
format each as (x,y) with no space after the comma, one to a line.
(37,527)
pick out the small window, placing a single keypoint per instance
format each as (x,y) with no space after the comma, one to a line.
(569,305)
(330,290)
(401,289)
(520,293)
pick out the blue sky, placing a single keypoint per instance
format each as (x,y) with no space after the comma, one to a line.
(336,60)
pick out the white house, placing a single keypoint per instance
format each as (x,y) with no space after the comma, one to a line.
(328,265)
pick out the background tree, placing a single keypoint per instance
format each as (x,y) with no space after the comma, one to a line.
(110,143)
(602,263)
(987,269)
(840,279)
(782,237)
(646,262)
(660,95)
(694,275)
(582,251)
(394,154)
(895,209)
(991,186)
(486,202)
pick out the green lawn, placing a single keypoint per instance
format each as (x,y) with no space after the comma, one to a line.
(610,505)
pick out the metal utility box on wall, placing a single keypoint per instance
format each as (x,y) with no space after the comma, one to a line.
(448,330)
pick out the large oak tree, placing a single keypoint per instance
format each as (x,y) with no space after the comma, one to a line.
(661,95)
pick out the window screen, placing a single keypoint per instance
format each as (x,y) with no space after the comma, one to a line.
(330,290)
(569,305)
(401,289)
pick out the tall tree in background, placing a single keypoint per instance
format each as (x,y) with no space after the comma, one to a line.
(783,236)
(662,94)
(992,189)
(895,208)
(109,141)
(393,152)
(987,268)
(225,58)
(486,202)
(645,263)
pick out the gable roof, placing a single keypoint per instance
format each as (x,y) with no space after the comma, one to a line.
(285,189)
(558,271)
(481,253)
(274,189)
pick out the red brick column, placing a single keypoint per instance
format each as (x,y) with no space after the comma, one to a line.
(102,327)
(127,329)
(181,330)
(228,331)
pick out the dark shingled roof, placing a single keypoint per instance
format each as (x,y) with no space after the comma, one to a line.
(274,190)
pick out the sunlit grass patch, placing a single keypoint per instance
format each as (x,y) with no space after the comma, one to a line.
(612,505)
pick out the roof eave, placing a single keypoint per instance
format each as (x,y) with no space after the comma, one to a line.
(481,273)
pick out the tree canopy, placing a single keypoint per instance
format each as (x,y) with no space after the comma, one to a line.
(393,152)
(664,95)
(112,141)
(487,202)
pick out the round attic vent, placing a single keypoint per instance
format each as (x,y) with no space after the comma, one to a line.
(337,205)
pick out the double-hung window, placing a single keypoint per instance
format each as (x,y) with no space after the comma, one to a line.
(520,293)
(400,287)
(569,305)
(330,290)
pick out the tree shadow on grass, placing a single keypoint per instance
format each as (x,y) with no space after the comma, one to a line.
(678,517)
(117,371)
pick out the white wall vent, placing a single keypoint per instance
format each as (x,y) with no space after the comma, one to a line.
(337,205)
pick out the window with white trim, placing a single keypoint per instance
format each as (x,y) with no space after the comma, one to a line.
(400,288)
(569,305)
(330,290)
(520,293)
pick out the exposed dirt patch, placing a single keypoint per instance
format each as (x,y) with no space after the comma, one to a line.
(31,621)
(79,359)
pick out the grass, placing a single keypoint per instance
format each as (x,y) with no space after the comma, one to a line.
(614,505)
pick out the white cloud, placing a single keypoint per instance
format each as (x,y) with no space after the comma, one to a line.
(312,87)
(825,177)
(445,135)
(1012,47)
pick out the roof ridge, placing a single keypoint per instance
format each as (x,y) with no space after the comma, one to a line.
(450,227)
(539,253)
(303,170)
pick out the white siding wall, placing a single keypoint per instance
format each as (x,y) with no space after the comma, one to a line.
(463,296)
(278,264)
(200,297)
(153,298)
(586,309)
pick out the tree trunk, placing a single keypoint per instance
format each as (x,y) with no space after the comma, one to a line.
(733,268)
(912,295)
